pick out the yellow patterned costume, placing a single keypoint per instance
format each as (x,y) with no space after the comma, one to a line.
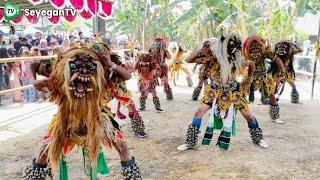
(176,64)
(225,95)
(234,93)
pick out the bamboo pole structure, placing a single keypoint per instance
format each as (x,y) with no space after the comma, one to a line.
(33,58)
(16,89)
(315,65)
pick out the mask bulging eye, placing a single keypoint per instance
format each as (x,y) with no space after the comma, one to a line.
(93,67)
(72,65)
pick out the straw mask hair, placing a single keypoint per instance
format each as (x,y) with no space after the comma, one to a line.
(77,85)
(226,49)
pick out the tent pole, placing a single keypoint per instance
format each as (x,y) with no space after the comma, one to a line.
(95,18)
(315,65)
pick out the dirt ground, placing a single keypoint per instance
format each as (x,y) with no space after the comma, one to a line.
(293,151)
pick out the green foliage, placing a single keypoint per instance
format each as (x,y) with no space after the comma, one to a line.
(206,19)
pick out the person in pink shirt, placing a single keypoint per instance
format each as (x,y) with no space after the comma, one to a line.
(27,76)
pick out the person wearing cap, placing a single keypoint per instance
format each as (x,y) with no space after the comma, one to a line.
(23,41)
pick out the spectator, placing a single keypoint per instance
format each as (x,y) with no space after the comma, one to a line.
(15,78)
(3,54)
(75,43)
(42,95)
(1,39)
(53,43)
(12,30)
(27,77)
(23,41)
(34,51)
(81,37)
(71,38)
(43,44)
(36,41)
(12,41)
(64,46)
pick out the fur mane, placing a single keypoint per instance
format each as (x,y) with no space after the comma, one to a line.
(76,114)
(219,48)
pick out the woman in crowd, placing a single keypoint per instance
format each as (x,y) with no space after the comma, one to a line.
(15,77)
(65,45)
(27,77)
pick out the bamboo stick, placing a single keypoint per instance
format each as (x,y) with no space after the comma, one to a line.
(16,89)
(33,58)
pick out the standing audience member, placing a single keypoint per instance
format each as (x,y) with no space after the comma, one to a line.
(23,41)
(12,30)
(42,95)
(27,77)
(71,38)
(36,41)
(3,54)
(53,43)
(64,46)
(43,44)
(75,43)
(12,41)
(15,79)
(1,39)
